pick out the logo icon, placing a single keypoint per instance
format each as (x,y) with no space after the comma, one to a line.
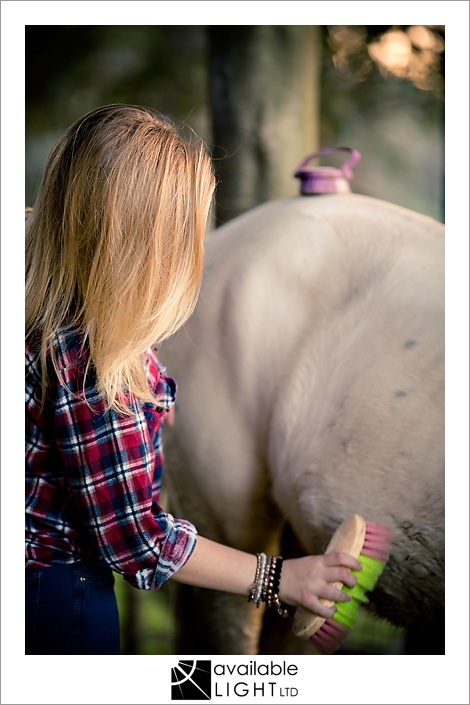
(191,680)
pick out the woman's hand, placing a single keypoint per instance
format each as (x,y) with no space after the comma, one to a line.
(305,580)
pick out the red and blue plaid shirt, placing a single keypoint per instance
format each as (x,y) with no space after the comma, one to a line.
(93,476)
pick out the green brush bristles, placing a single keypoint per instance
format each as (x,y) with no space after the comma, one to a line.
(346,613)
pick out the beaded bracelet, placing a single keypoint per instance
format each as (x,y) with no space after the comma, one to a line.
(261,578)
(255,595)
(265,587)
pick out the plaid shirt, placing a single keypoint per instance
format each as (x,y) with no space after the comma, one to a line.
(93,476)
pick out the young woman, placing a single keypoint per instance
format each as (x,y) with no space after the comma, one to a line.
(114,256)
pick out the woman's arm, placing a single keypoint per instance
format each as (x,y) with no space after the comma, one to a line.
(303,580)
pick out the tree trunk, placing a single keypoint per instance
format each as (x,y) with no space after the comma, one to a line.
(265,105)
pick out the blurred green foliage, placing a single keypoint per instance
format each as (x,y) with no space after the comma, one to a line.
(153,624)
(394,117)
(71,70)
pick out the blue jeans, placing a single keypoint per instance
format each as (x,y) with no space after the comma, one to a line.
(71,609)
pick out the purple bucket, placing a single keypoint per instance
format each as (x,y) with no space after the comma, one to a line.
(326,179)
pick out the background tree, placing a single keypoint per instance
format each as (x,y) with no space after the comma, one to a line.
(264,91)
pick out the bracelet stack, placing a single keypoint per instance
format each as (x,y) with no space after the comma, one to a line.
(265,586)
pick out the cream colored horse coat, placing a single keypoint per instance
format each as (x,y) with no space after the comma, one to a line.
(311,387)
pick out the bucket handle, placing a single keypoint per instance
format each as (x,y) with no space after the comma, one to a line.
(348,164)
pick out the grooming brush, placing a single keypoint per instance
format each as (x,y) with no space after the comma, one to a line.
(369,543)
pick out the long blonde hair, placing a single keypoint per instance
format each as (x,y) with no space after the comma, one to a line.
(114,242)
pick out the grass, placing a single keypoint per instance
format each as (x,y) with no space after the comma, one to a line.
(147,623)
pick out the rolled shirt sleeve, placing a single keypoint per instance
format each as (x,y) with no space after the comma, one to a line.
(113,469)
